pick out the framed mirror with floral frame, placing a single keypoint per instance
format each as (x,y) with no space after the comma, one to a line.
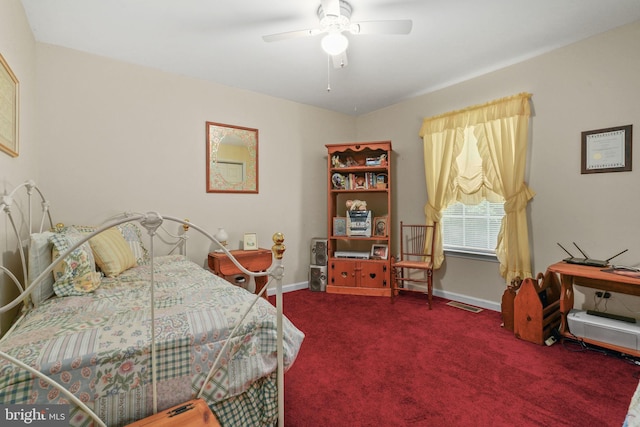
(9,109)
(232,159)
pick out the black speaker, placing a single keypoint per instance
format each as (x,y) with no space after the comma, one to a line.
(319,255)
(318,278)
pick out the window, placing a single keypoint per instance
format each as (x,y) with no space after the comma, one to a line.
(456,146)
(472,229)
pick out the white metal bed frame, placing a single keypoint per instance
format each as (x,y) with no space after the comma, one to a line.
(151,221)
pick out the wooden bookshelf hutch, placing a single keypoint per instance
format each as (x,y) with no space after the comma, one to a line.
(359,171)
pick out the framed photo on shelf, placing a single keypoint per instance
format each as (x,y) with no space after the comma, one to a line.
(379,251)
(339,226)
(606,150)
(380,226)
(250,242)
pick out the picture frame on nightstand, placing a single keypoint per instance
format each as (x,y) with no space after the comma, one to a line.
(250,242)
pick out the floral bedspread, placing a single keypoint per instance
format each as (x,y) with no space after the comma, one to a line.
(633,415)
(98,345)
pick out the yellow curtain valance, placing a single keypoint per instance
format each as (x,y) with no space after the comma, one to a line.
(515,105)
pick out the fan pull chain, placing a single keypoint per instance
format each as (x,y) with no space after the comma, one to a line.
(328,73)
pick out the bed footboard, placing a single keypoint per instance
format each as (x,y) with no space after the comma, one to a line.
(151,222)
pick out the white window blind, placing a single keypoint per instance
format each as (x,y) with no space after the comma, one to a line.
(472,228)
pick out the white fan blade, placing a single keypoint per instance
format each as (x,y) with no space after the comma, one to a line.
(330,7)
(382,27)
(291,35)
(340,61)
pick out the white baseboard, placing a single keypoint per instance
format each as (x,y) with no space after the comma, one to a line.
(489,305)
(289,288)
(482,303)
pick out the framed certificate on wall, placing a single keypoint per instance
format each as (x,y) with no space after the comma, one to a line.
(606,150)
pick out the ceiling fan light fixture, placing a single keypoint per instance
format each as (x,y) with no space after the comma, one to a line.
(334,43)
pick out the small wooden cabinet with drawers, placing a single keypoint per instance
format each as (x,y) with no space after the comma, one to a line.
(258,260)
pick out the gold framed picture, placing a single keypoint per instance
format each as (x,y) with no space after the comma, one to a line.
(250,242)
(9,108)
(380,226)
(232,159)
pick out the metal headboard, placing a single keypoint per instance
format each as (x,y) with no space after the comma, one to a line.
(8,205)
(151,221)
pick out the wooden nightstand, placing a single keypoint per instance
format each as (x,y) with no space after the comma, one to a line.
(259,260)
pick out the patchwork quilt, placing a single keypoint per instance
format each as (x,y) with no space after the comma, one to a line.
(98,346)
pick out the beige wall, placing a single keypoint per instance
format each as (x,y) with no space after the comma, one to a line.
(116,137)
(17,46)
(104,136)
(590,85)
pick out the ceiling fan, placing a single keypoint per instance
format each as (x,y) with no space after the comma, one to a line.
(335,19)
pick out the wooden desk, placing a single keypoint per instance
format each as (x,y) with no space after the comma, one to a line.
(259,260)
(591,277)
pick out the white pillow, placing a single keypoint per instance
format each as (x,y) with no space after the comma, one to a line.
(39,258)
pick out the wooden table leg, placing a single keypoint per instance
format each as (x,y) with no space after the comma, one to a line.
(566,301)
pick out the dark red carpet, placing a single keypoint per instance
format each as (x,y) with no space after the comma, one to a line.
(366,362)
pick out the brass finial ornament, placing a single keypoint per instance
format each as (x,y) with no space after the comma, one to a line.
(278,248)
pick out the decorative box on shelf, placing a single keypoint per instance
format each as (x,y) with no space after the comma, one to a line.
(359,223)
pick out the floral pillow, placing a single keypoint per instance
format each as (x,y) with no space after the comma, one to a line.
(132,234)
(76,274)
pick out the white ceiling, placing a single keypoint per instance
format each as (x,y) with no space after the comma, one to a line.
(221,41)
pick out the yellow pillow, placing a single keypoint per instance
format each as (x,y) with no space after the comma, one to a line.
(111,252)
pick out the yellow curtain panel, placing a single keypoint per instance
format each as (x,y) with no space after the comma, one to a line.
(500,129)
